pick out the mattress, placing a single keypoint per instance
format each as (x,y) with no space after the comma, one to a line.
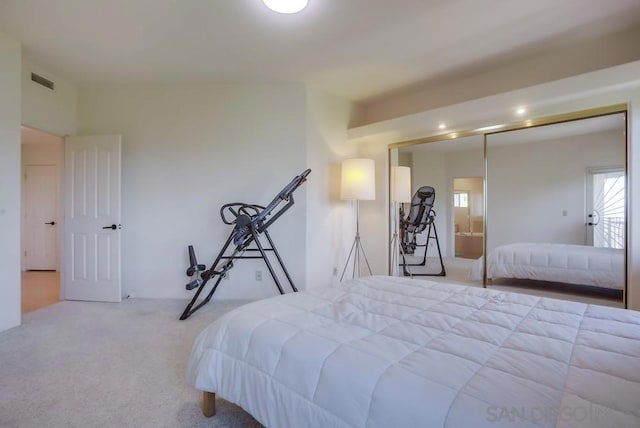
(395,352)
(562,263)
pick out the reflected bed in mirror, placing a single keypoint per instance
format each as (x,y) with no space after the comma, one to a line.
(556,206)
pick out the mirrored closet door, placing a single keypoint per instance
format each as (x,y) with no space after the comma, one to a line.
(545,199)
(555,209)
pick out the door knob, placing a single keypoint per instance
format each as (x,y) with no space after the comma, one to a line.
(112,227)
(52,223)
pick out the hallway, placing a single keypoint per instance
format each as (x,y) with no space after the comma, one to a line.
(39,289)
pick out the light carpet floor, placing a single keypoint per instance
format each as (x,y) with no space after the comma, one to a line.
(39,289)
(458,272)
(82,364)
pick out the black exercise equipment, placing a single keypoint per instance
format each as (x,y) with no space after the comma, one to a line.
(421,216)
(250,224)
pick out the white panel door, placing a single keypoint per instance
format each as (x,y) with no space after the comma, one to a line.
(40,217)
(92,261)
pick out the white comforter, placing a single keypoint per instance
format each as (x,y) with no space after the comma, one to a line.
(570,264)
(394,352)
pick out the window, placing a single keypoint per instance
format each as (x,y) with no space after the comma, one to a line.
(606,215)
(460,199)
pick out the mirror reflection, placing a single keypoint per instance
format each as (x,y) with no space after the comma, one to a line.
(556,207)
(468,209)
(440,228)
(555,210)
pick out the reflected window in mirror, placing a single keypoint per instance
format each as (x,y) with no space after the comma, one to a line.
(460,199)
(606,192)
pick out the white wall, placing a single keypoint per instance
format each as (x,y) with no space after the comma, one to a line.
(532,69)
(375,228)
(189,149)
(54,111)
(530,185)
(42,153)
(330,221)
(619,84)
(10,104)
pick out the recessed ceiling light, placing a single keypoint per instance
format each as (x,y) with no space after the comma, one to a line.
(520,111)
(286,6)
(442,126)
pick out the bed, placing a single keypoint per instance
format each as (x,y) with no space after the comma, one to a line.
(561,263)
(396,352)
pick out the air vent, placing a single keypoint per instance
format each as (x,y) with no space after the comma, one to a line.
(42,81)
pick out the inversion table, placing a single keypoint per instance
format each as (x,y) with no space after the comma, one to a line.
(421,216)
(250,223)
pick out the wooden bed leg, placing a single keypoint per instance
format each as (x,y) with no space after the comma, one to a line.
(208,403)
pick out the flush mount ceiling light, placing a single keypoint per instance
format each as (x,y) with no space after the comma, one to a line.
(286,6)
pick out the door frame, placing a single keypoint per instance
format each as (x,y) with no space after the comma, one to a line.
(61,200)
(60,213)
(55,263)
(95,142)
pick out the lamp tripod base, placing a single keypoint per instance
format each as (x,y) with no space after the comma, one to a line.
(357,252)
(396,253)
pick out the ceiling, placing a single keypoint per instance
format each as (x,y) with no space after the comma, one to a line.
(357,49)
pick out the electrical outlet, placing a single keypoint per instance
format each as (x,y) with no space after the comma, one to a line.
(258,275)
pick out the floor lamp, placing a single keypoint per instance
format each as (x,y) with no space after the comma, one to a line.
(400,192)
(358,183)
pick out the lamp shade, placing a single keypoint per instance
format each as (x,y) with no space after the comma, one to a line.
(358,179)
(400,184)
